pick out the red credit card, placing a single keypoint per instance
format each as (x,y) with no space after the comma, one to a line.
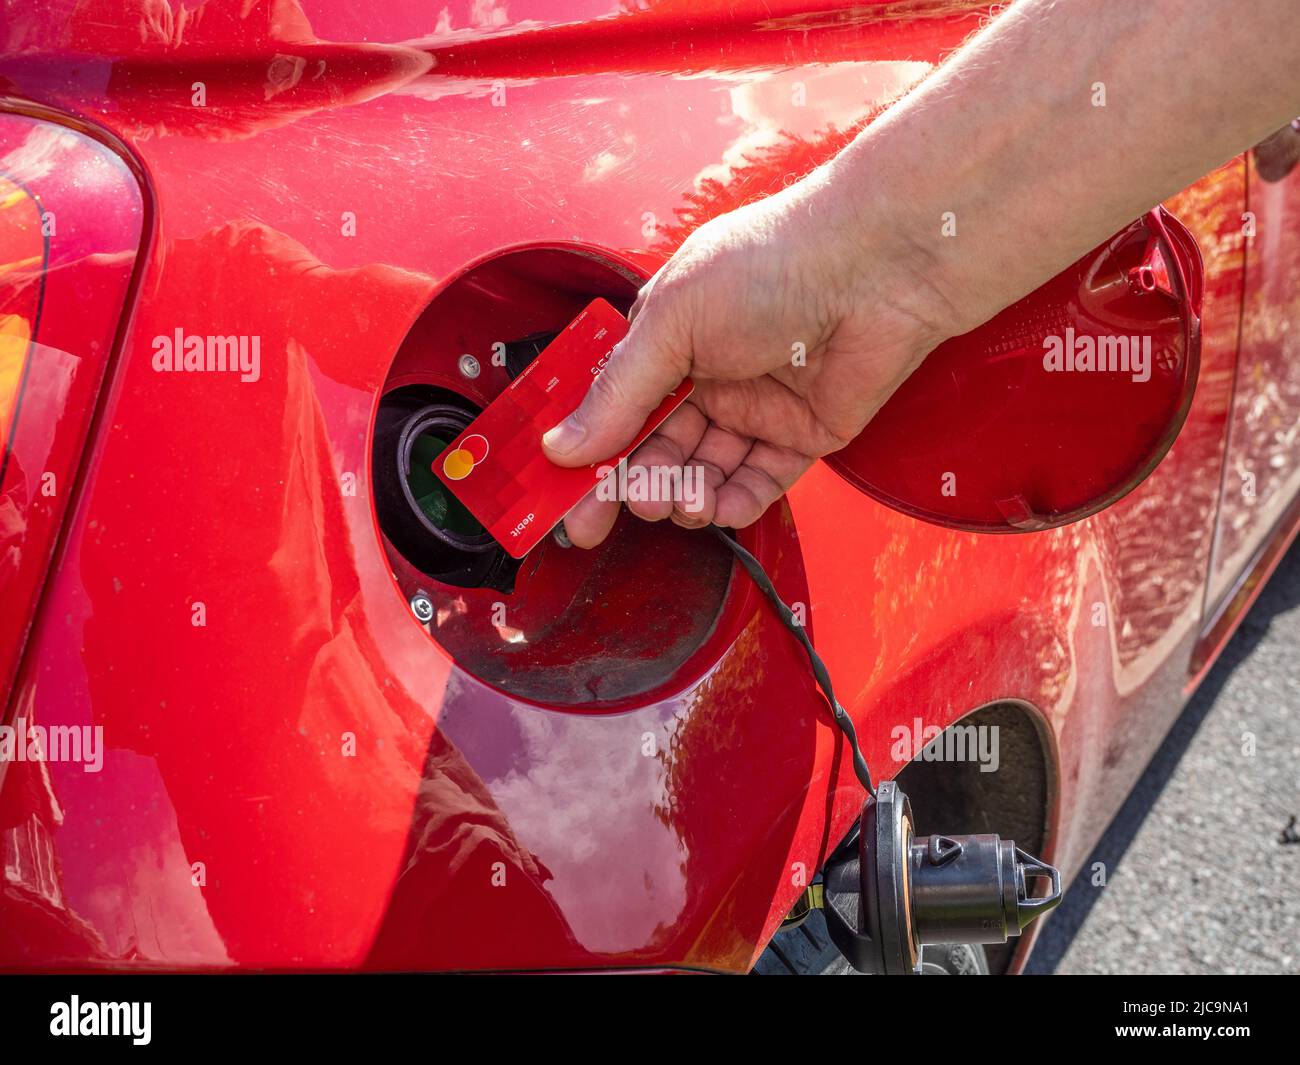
(497,467)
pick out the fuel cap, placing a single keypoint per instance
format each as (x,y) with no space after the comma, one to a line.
(899,892)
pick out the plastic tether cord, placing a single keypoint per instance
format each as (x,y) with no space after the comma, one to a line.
(764,582)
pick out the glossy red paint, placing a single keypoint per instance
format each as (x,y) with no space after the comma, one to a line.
(321,196)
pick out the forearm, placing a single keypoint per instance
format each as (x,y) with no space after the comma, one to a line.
(1010,136)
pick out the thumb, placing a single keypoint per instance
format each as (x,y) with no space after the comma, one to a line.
(643,368)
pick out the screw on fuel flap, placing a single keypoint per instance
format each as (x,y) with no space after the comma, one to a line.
(422,607)
(469,367)
(888,892)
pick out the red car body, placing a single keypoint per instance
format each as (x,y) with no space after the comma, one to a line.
(296,773)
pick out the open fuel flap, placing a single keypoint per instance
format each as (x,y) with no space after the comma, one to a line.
(1057,407)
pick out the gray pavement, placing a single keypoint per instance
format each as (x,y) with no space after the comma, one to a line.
(1198,880)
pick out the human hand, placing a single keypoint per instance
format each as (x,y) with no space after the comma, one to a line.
(796,324)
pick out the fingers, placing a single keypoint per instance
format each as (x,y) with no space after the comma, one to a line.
(718,454)
(667,447)
(734,480)
(644,367)
(764,477)
(740,479)
(590,521)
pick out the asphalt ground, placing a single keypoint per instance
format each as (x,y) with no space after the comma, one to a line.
(1198,879)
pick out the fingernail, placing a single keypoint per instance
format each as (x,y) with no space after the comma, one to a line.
(564,437)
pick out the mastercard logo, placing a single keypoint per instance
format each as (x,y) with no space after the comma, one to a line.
(457,463)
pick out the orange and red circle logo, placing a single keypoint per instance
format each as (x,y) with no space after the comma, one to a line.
(457,463)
